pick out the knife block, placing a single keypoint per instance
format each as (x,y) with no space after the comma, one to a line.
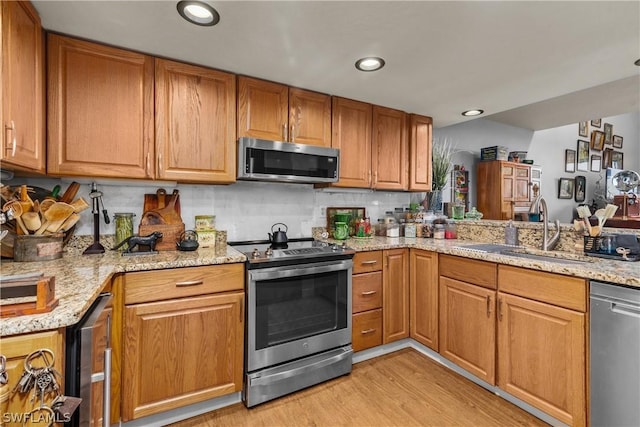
(170,235)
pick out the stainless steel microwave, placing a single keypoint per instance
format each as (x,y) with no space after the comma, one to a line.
(262,160)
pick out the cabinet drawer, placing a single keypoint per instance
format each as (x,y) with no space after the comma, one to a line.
(481,273)
(367,291)
(563,291)
(367,330)
(364,262)
(147,286)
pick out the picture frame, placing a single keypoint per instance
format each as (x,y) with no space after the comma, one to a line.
(569,160)
(582,161)
(565,188)
(595,163)
(617,158)
(617,141)
(608,133)
(596,123)
(606,158)
(580,185)
(583,129)
(597,140)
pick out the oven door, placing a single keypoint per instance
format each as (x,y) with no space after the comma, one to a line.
(296,311)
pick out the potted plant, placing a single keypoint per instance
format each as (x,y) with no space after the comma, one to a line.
(441,155)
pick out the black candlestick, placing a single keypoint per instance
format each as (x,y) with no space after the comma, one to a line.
(96,247)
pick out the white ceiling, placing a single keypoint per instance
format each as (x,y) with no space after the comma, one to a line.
(528,64)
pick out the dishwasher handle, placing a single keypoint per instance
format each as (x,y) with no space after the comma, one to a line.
(625,309)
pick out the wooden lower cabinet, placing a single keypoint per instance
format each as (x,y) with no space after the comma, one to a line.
(542,342)
(367,330)
(423,290)
(16,349)
(366,300)
(184,341)
(468,327)
(395,295)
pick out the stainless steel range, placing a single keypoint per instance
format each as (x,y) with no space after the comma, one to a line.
(298,316)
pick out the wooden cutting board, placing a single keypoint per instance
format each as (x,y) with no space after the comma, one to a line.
(158,201)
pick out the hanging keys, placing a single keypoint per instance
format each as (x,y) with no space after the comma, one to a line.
(4,377)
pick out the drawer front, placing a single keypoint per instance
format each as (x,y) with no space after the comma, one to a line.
(148,286)
(367,291)
(364,262)
(481,273)
(367,330)
(563,291)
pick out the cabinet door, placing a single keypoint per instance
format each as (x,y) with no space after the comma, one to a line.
(182,351)
(468,327)
(309,117)
(195,123)
(351,134)
(522,183)
(262,109)
(100,110)
(423,279)
(16,349)
(389,153)
(395,295)
(22,89)
(508,192)
(541,356)
(420,143)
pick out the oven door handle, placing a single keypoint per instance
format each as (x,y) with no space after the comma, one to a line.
(299,270)
(270,379)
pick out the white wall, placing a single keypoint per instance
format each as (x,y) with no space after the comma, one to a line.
(546,148)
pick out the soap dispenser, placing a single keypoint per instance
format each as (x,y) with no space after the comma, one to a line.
(511,234)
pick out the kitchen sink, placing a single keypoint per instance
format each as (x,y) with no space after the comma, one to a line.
(520,252)
(545,258)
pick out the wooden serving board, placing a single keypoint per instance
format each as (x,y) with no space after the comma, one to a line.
(21,288)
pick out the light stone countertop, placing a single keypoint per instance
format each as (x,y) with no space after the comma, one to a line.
(80,279)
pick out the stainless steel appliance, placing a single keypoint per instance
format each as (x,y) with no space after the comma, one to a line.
(88,365)
(298,316)
(615,355)
(262,160)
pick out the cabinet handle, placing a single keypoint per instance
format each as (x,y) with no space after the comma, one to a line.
(369,292)
(190,283)
(372,262)
(369,178)
(12,128)
(293,133)
(241,309)
(367,331)
(148,165)
(500,308)
(488,306)
(159,164)
(375,178)
(284,132)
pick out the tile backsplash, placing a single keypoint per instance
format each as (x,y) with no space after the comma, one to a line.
(246,210)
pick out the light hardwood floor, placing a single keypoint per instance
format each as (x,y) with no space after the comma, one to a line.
(404,388)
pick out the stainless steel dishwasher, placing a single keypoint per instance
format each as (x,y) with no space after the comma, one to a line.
(615,355)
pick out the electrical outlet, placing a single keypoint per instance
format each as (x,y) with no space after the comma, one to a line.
(323,211)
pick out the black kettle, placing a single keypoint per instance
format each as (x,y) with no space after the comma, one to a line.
(278,237)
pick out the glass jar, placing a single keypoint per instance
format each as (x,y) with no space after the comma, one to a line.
(450,231)
(389,218)
(381,227)
(410,229)
(393,230)
(124,227)
(438,231)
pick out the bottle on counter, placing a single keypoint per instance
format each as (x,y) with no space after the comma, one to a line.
(124,227)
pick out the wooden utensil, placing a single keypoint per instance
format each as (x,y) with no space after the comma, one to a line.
(69,222)
(31,220)
(56,214)
(79,205)
(16,209)
(71,192)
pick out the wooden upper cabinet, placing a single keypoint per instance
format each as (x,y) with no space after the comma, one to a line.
(503,189)
(273,111)
(195,112)
(420,144)
(22,89)
(351,134)
(389,154)
(262,109)
(309,117)
(100,110)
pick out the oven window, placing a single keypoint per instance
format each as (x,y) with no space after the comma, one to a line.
(291,308)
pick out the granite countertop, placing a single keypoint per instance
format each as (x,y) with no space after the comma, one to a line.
(80,279)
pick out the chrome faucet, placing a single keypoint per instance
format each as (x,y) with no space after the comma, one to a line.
(548,243)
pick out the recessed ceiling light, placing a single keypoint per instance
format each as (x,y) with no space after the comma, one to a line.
(637,62)
(470,113)
(370,63)
(198,13)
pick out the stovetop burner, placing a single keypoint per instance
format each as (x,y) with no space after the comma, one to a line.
(296,251)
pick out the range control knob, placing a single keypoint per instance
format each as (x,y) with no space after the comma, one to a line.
(255,254)
(268,252)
